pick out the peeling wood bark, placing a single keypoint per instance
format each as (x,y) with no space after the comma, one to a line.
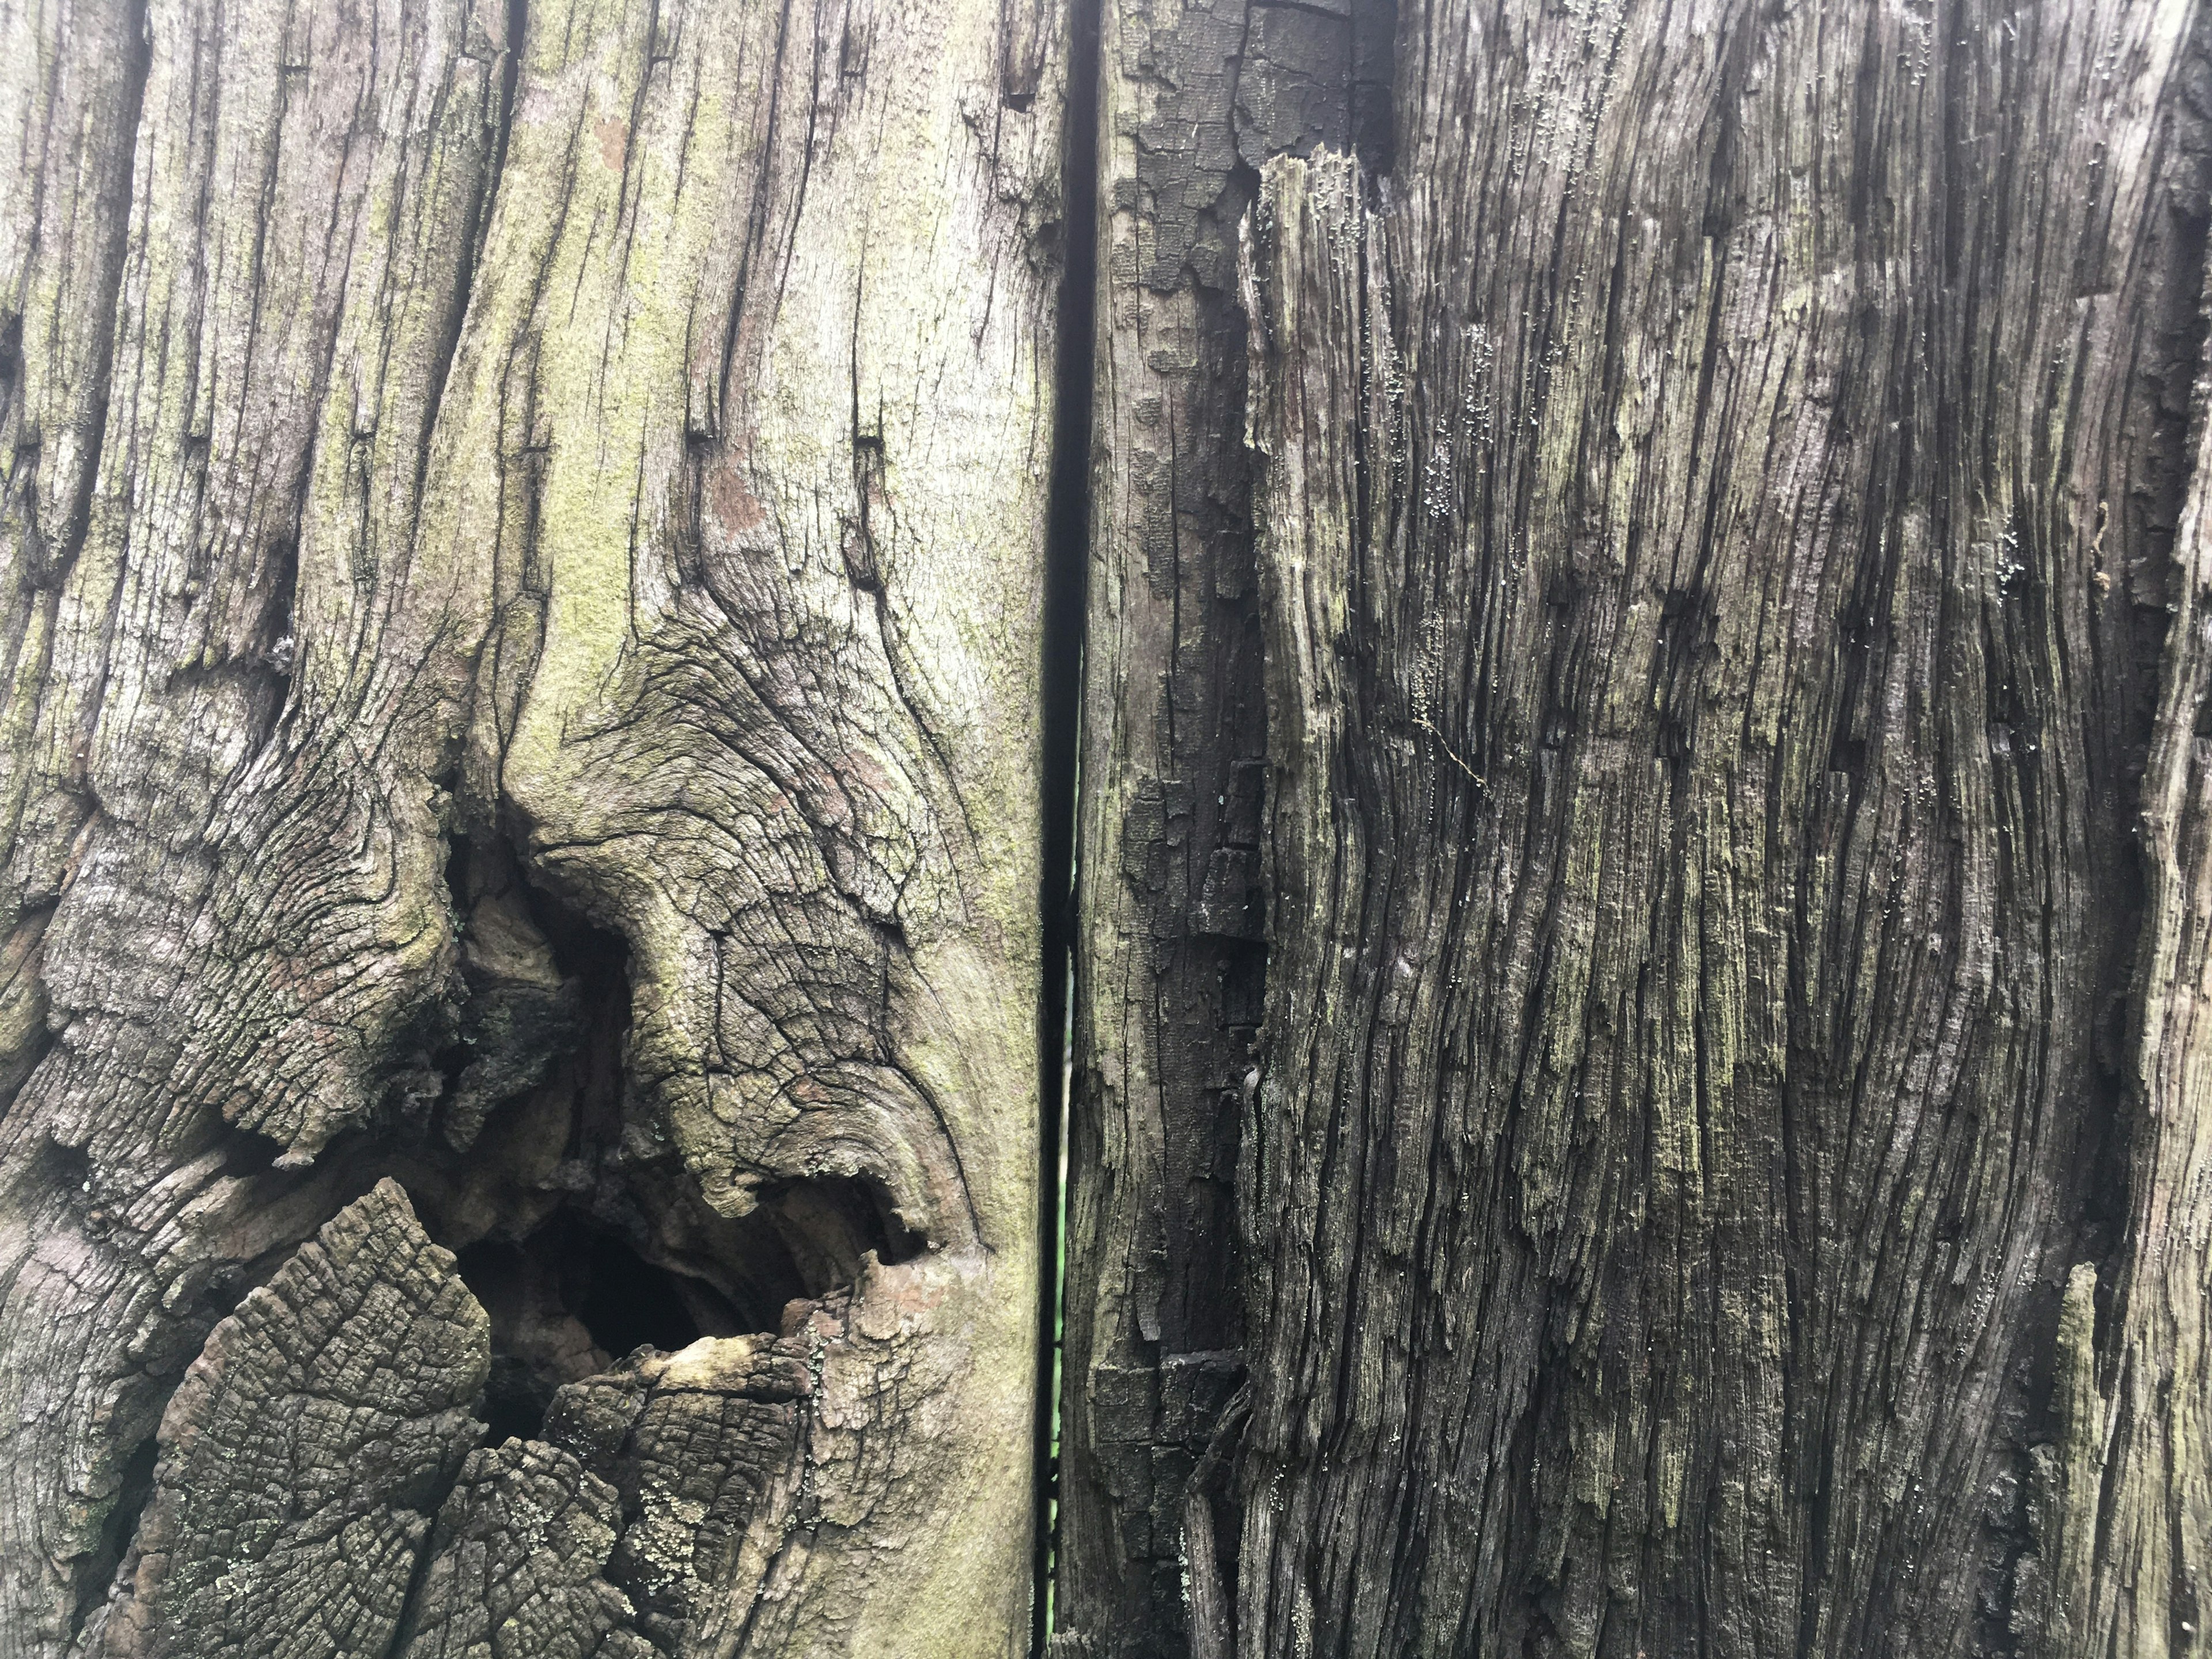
(521,552)
(1724,1160)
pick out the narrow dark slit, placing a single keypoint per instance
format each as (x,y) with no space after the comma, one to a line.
(1067,534)
(117,1533)
(11,359)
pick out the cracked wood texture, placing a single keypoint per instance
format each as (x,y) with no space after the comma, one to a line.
(1193,96)
(1726,1172)
(521,550)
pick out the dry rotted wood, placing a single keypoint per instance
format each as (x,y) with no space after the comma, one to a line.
(520,560)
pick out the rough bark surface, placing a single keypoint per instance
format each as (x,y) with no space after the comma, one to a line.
(1717,541)
(2132,1499)
(1647,822)
(519,553)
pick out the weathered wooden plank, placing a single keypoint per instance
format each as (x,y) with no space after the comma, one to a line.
(2128,1482)
(525,605)
(191,838)
(1170,962)
(1716,544)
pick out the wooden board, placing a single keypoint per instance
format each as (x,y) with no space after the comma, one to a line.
(523,566)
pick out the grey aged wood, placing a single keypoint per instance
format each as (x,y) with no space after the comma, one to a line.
(521,558)
(1645,898)
(1725,1142)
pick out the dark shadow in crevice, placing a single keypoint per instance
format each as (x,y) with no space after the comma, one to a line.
(580,1293)
(627,1303)
(1067,540)
(516,1399)
(64,1167)
(570,1300)
(828,1224)
(11,360)
(512,1127)
(117,1531)
(247,1152)
(581,1249)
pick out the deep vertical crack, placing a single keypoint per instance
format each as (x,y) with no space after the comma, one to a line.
(475,228)
(1067,533)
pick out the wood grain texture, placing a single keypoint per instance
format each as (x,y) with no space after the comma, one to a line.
(1170,963)
(521,558)
(302,1453)
(2130,1485)
(1717,539)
